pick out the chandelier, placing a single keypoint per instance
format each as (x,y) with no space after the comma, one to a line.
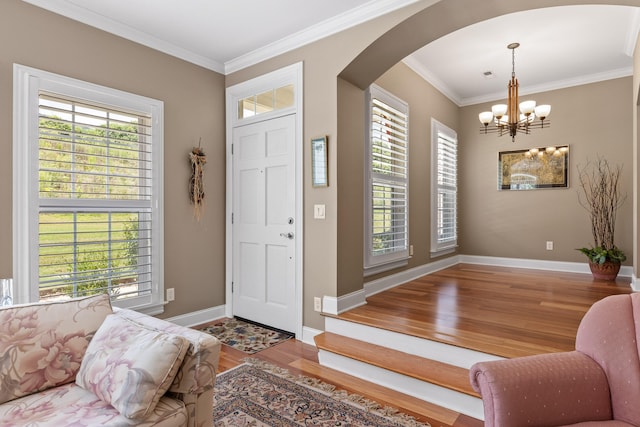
(506,118)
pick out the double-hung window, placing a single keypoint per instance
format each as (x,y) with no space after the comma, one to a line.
(87,193)
(444,188)
(387,182)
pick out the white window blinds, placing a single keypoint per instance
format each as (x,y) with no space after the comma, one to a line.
(387,198)
(95,204)
(445,155)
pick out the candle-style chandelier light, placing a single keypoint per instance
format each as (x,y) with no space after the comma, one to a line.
(506,118)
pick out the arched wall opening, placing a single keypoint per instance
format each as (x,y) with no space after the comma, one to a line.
(384,54)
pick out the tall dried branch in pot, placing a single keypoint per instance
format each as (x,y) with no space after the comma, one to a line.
(197,158)
(601,196)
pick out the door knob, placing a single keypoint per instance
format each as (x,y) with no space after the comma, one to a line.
(287,235)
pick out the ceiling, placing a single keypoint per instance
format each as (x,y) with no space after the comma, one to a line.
(559,47)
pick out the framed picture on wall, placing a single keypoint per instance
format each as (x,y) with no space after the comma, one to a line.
(535,168)
(319,162)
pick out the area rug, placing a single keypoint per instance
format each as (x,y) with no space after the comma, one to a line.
(245,336)
(258,394)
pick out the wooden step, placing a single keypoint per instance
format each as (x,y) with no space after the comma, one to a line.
(431,371)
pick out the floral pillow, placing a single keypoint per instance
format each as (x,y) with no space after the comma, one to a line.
(129,366)
(42,344)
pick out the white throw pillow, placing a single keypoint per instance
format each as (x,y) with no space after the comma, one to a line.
(130,366)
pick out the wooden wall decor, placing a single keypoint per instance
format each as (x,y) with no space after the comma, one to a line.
(197,158)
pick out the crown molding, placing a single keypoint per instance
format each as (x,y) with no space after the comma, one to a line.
(554,85)
(419,69)
(632,35)
(72,11)
(344,21)
(351,18)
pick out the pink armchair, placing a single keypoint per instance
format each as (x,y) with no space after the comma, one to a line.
(598,384)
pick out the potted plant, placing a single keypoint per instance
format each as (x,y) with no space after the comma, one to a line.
(600,195)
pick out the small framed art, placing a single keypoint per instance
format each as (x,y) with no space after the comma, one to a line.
(319,162)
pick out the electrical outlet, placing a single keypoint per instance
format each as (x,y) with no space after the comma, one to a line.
(171,294)
(549,245)
(317,304)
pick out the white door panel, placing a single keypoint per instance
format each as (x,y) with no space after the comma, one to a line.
(264,288)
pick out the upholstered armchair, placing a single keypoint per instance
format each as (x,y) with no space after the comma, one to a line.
(598,384)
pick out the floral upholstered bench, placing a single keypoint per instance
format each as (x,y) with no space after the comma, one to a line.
(82,363)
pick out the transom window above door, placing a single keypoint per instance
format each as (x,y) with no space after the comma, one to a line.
(266,102)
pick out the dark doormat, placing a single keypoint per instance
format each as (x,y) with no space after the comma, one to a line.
(246,336)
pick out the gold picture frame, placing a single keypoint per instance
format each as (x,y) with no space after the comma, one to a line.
(536,168)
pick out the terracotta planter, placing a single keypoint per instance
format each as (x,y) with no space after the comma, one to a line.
(607,271)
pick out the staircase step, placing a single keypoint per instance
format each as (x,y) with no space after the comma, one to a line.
(431,371)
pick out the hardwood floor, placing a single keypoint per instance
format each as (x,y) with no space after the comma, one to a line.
(302,359)
(504,311)
(508,312)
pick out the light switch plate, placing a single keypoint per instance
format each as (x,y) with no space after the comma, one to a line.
(319,211)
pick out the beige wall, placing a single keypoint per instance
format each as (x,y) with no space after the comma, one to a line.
(194,108)
(424,102)
(594,120)
(323,62)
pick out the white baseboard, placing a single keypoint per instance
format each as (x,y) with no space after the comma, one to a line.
(447,398)
(308,334)
(198,317)
(384,283)
(337,305)
(210,314)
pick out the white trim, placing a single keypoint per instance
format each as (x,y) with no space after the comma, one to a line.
(308,335)
(333,25)
(558,84)
(451,136)
(564,266)
(27,84)
(438,395)
(337,305)
(381,268)
(292,74)
(422,71)
(632,35)
(445,353)
(439,85)
(374,264)
(81,14)
(388,282)
(199,317)
(207,315)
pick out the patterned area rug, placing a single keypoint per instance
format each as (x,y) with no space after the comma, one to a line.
(245,336)
(258,394)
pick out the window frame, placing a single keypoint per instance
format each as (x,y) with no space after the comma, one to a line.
(450,245)
(374,264)
(28,82)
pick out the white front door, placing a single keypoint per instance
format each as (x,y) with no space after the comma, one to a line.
(264,206)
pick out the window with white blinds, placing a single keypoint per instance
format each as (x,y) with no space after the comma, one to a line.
(96,223)
(444,233)
(387,214)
